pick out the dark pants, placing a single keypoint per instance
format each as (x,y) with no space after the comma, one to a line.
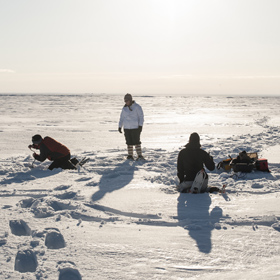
(132,136)
(62,163)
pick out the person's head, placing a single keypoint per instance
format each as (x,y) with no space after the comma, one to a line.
(37,139)
(194,138)
(128,99)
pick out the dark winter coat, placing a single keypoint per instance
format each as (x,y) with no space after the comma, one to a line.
(51,149)
(192,159)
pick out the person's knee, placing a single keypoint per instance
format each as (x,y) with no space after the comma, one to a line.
(185,186)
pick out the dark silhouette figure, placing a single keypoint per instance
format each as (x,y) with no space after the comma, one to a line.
(115,179)
(194,216)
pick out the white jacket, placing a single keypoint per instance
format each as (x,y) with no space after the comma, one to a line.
(131,119)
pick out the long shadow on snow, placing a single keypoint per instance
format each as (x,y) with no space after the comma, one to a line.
(115,179)
(194,216)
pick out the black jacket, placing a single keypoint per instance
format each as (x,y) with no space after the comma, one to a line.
(192,159)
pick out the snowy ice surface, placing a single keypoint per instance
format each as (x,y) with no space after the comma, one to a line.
(119,219)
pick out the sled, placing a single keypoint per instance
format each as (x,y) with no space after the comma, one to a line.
(78,163)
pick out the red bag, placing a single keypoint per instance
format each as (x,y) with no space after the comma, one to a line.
(262,164)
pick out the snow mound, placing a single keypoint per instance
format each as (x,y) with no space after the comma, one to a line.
(276,226)
(48,206)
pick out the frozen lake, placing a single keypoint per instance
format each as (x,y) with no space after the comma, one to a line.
(125,220)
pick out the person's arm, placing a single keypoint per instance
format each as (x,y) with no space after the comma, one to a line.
(208,161)
(180,168)
(44,152)
(140,114)
(121,121)
(33,147)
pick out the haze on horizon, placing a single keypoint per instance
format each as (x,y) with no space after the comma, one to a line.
(143,47)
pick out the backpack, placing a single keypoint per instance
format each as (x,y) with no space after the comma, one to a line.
(242,167)
(262,165)
(243,163)
(198,181)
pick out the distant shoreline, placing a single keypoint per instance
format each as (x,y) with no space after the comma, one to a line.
(142,95)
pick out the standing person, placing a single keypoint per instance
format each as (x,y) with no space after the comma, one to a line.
(132,119)
(53,150)
(190,161)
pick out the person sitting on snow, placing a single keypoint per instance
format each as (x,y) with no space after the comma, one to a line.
(53,150)
(132,119)
(190,161)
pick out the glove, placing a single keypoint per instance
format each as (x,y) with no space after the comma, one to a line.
(120,130)
(33,146)
(140,128)
(35,155)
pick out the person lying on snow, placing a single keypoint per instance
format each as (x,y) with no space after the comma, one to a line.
(53,150)
(190,161)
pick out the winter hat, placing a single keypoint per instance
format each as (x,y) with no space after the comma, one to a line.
(194,138)
(36,139)
(128,97)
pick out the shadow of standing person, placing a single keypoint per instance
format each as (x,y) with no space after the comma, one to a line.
(114,179)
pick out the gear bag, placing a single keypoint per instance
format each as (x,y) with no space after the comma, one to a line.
(244,162)
(262,165)
(225,164)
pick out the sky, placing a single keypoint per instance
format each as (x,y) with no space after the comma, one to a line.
(186,47)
